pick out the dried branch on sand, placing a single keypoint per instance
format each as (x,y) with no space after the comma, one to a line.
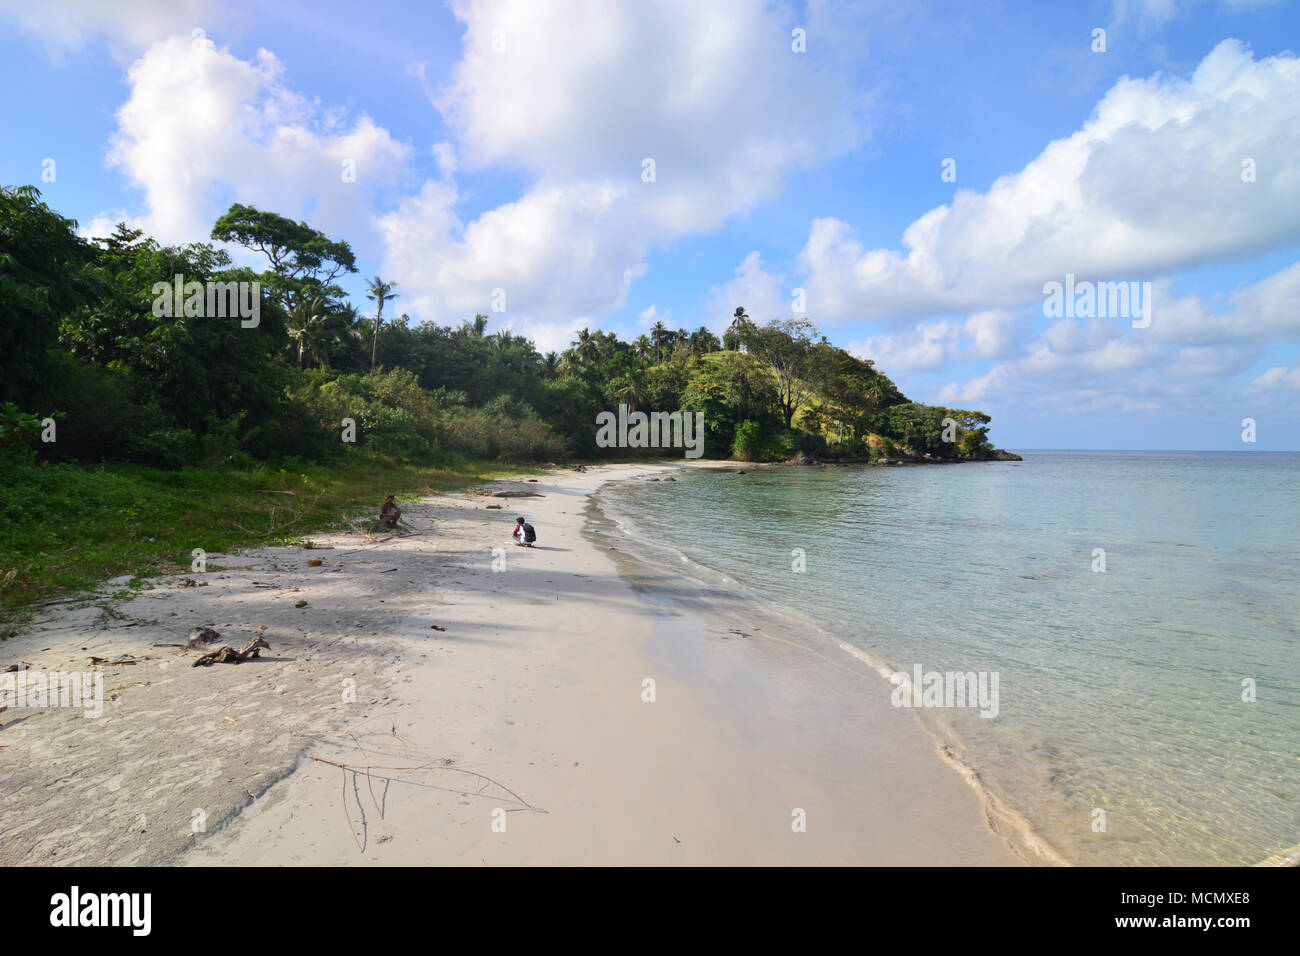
(228,655)
(417,764)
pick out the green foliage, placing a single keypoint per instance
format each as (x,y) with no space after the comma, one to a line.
(971,443)
(18,429)
(304,261)
(921,428)
(44,273)
(855,395)
(729,388)
(748,443)
(129,381)
(789,349)
(195,368)
(396,417)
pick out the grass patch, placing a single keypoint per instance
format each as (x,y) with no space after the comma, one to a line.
(66,527)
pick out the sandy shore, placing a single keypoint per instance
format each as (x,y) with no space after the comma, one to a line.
(504,715)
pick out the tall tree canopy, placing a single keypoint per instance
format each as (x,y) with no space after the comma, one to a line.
(788,347)
(45,271)
(304,261)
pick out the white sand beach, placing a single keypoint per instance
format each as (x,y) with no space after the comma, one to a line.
(503,716)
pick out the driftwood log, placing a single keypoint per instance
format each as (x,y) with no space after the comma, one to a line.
(228,655)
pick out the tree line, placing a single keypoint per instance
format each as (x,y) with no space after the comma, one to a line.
(83,347)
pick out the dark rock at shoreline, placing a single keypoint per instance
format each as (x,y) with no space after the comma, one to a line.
(902,457)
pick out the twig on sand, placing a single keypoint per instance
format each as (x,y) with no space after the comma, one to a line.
(370,777)
(273,529)
(356,528)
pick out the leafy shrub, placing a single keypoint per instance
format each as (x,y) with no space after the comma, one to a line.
(971,443)
(747,445)
(479,433)
(18,429)
(166,448)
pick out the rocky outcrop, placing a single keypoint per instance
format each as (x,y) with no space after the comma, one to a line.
(904,456)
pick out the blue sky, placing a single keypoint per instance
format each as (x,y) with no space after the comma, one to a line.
(501,145)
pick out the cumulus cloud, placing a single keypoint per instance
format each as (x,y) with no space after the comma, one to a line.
(987,334)
(1187,359)
(551,254)
(752,287)
(1153,182)
(203,128)
(577,97)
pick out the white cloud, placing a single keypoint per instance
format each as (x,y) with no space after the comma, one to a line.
(203,128)
(547,336)
(1278,377)
(649,316)
(988,334)
(753,287)
(1188,357)
(445,156)
(577,98)
(554,253)
(1152,182)
(68,26)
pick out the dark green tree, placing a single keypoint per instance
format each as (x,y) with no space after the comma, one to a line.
(45,271)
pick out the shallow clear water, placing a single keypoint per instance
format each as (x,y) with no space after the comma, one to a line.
(1119,691)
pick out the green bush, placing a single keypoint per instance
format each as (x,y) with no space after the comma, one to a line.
(481,434)
(747,445)
(18,429)
(166,448)
(971,443)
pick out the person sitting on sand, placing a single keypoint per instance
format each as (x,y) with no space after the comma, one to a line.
(389,512)
(524,533)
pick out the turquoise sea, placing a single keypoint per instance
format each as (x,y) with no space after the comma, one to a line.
(1125,691)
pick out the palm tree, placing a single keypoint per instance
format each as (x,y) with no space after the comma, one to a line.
(642,348)
(551,365)
(480,323)
(740,324)
(307,328)
(588,347)
(380,291)
(631,392)
(703,341)
(659,336)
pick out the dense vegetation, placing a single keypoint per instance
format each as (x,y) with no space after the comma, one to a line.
(84,342)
